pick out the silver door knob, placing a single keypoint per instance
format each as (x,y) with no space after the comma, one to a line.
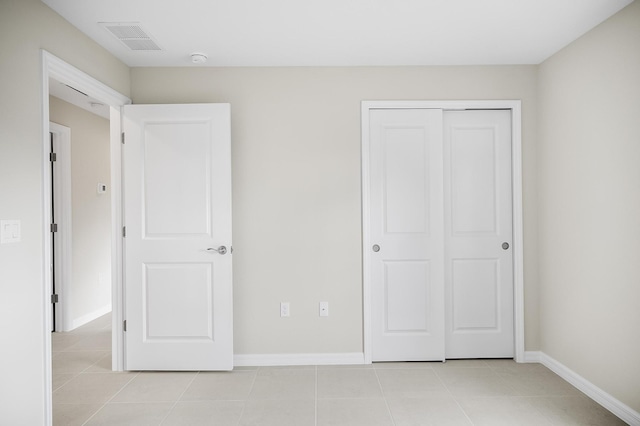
(221,249)
(505,246)
(375,248)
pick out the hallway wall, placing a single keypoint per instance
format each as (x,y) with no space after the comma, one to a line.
(26,27)
(89,294)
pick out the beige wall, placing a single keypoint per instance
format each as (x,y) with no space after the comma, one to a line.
(89,293)
(296,186)
(26,26)
(297,228)
(589,206)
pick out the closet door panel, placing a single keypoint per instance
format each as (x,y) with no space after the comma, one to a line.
(407,235)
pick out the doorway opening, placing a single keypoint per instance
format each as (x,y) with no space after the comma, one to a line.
(58,70)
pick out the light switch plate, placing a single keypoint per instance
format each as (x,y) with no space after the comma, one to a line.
(9,231)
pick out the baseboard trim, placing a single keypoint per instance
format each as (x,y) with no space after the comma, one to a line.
(612,404)
(531,356)
(79,322)
(265,360)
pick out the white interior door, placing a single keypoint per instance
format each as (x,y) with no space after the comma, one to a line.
(478,238)
(406,235)
(177,203)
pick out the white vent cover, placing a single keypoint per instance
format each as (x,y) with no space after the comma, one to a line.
(131,34)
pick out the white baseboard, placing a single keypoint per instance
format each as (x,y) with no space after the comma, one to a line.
(532,356)
(79,322)
(612,404)
(264,360)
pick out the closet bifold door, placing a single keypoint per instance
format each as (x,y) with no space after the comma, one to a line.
(478,234)
(407,235)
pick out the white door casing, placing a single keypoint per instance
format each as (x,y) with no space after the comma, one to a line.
(177,203)
(407,234)
(514,180)
(478,222)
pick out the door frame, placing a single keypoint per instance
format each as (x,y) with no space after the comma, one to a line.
(62,210)
(516,179)
(60,70)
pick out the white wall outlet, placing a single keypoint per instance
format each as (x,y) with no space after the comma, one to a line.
(9,231)
(102,188)
(324,309)
(284,309)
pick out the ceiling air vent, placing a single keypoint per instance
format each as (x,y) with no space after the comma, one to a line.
(131,34)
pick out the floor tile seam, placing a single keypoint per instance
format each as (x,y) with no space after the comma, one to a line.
(121,387)
(244,407)
(315,400)
(454,398)
(511,388)
(376,398)
(76,374)
(284,398)
(386,403)
(343,367)
(173,406)
(325,398)
(94,414)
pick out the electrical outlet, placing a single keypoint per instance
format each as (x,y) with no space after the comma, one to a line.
(324,309)
(284,309)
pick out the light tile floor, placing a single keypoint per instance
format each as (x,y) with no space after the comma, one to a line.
(467,392)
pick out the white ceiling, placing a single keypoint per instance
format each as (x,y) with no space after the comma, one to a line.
(341,32)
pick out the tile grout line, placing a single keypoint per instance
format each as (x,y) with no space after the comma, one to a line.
(384,397)
(109,400)
(246,400)
(453,397)
(179,397)
(316,400)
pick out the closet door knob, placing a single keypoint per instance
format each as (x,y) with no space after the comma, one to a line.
(505,246)
(375,248)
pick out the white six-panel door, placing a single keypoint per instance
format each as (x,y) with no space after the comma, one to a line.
(407,234)
(440,210)
(177,203)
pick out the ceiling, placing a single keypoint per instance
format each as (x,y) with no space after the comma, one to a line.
(340,32)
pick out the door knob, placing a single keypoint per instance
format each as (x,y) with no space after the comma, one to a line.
(505,246)
(221,249)
(375,248)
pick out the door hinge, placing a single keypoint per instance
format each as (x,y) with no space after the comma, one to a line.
(54,227)
(124,231)
(54,298)
(52,156)
(124,325)
(122,138)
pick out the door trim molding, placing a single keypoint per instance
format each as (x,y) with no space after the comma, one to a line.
(516,178)
(58,69)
